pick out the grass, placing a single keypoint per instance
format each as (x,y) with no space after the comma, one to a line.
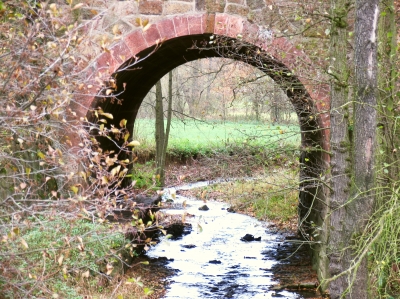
(64,258)
(192,138)
(381,241)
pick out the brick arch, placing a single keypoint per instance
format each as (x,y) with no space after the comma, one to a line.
(176,35)
(175,31)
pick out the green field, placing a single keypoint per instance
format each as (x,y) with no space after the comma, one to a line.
(192,137)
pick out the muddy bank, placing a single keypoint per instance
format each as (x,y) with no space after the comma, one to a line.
(208,169)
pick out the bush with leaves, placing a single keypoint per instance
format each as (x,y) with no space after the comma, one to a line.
(53,170)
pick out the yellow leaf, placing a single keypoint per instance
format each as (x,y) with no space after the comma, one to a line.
(145,22)
(116,29)
(16,231)
(122,123)
(115,170)
(108,115)
(133,143)
(60,259)
(40,155)
(126,136)
(109,161)
(83,175)
(23,242)
(79,5)
(123,172)
(114,130)
(109,268)
(104,180)
(138,21)
(28,171)
(74,189)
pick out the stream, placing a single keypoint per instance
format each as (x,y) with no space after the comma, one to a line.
(212,261)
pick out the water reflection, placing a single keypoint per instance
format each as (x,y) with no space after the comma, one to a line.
(214,262)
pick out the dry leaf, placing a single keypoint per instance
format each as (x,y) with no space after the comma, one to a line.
(60,259)
(23,242)
(79,5)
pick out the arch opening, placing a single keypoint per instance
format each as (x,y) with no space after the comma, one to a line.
(134,81)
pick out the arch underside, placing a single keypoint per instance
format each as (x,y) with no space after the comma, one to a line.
(134,81)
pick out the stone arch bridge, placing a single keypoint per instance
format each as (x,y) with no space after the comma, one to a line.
(154,37)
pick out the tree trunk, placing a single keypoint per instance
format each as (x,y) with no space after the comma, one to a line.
(365,124)
(256,108)
(160,134)
(388,139)
(340,145)
(166,136)
(350,213)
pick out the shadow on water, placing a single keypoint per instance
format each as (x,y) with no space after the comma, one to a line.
(213,262)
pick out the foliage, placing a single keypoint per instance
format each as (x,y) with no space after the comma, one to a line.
(53,170)
(383,233)
(144,176)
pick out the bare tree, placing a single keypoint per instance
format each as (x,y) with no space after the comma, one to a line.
(162,135)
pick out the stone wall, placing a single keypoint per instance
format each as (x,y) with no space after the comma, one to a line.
(293,19)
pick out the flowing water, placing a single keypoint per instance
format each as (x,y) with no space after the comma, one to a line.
(212,260)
